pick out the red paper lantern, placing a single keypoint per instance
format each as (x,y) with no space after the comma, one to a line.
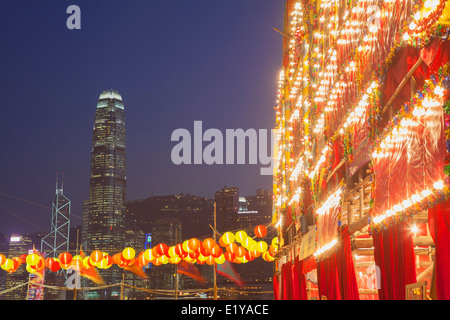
(216,251)
(65,258)
(232,248)
(210,260)
(96,256)
(260,231)
(229,256)
(53,265)
(240,252)
(205,252)
(179,249)
(194,244)
(162,249)
(2,259)
(193,254)
(208,243)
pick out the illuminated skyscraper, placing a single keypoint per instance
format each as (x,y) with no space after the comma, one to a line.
(103,227)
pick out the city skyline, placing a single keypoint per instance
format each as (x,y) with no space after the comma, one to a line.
(223,75)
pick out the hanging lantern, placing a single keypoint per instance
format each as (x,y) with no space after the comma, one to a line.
(179,249)
(275,242)
(228,237)
(2,259)
(96,256)
(65,258)
(185,246)
(222,243)
(220,259)
(87,263)
(157,262)
(29,268)
(117,258)
(216,251)
(171,252)
(232,247)
(33,259)
(162,249)
(19,261)
(260,231)
(229,256)
(255,253)
(262,246)
(128,253)
(148,255)
(241,236)
(77,264)
(193,254)
(210,260)
(54,265)
(175,260)
(208,243)
(240,252)
(194,244)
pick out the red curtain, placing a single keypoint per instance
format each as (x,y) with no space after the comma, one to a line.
(336,273)
(346,269)
(439,225)
(394,255)
(299,281)
(327,277)
(286,288)
(276,287)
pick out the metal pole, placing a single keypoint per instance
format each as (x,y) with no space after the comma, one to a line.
(121,286)
(176,273)
(215,264)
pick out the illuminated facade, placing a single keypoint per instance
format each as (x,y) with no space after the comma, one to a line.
(361,153)
(18,245)
(103,227)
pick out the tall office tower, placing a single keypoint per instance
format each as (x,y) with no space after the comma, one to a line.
(168,231)
(57,242)
(227,207)
(103,227)
(18,245)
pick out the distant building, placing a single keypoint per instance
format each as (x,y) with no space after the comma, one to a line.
(168,231)
(103,220)
(245,213)
(18,245)
(227,208)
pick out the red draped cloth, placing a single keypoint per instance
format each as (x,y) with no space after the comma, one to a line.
(276,287)
(439,225)
(286,274)
(394,255)
(328,279)
(346,269)
(336,273)
(299,281)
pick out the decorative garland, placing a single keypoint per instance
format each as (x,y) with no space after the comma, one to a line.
(429,197)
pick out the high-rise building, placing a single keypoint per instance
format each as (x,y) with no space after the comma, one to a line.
(103,227)
(227,207)
(235,212)
(168,231)
(18,245)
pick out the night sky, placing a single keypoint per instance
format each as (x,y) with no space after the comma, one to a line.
(173,62)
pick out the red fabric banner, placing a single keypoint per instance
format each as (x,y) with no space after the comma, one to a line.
(394,255)
(346,269)
(439,225)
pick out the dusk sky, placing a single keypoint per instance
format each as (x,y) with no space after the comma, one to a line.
(173,62)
